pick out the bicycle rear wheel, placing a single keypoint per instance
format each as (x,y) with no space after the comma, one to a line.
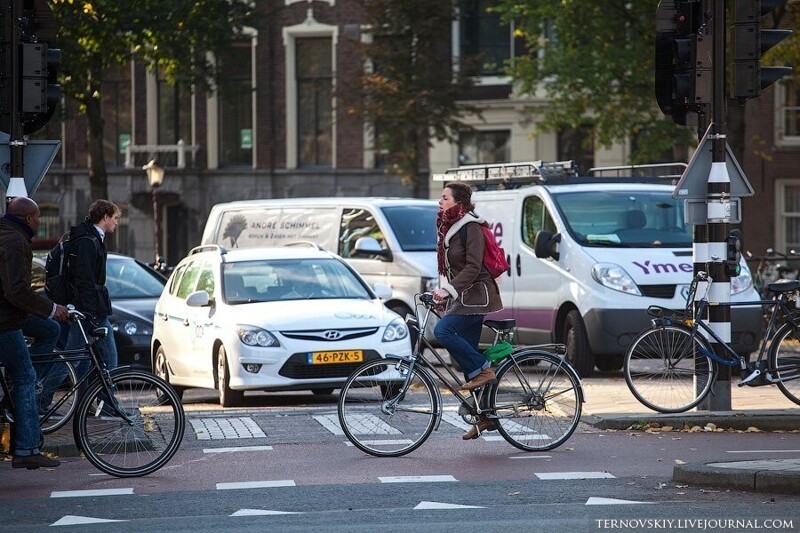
(145,441)
(537,400)
(57,379)
(383,417)
(784,359)
(667,370)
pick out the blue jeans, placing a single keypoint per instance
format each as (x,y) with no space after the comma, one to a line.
(460,334)
(21,378)
(45,333)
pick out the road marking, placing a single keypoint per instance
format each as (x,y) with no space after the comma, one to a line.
(256,484)
(238,449)
(416,479)
(360,424)
(329,422)
(242,427)
(90,493)
(574,475)
(530,457)
(612,501)
(439,505)
(258,512)
(73,520)
(381,442)
(763,451)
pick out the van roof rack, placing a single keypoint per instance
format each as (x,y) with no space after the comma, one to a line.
(511,175)
(208,248)
(652,170)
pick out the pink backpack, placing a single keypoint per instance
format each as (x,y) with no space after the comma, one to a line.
(494,257)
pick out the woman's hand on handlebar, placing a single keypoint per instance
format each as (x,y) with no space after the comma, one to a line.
(440,295)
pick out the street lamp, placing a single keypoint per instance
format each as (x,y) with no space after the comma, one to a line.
(155,176)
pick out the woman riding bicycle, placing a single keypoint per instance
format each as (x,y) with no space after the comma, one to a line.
(468,293)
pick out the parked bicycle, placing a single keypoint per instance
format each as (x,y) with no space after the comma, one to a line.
(772,267)
(671,368)
(126,422)
(389,407)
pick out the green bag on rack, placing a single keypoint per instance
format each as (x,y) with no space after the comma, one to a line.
(497,352)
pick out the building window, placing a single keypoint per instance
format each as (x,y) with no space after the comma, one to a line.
(116,106)
(479,147)
(577,144)
(483,35)
(314,75)
(787,97)
(236,107)
(788,198)
(174,117)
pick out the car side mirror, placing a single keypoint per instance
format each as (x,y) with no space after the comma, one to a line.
(370,246)
(546,245)
(198,299)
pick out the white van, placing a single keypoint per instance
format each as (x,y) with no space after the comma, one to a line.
(589,255)
(386,240)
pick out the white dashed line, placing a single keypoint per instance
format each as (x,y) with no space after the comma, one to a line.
(256,484)
(260,512)
(574,475)
(90,493)
(439,505)
(73,520)
(238,449)
(381,442)
(612,501)
(416,479)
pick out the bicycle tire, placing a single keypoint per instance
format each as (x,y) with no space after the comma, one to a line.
(665,368)
(371,404)
(784,359)
(139,447)
(537,400)
(46,375)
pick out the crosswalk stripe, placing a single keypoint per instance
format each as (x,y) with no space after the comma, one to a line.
(256,484)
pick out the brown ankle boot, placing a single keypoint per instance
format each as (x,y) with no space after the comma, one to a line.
(486,376)
(487,424)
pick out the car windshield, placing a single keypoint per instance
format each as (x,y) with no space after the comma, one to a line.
(271,280)
(639,219)
(127,278)
(414,226)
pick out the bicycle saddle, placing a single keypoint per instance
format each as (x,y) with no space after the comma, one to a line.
(502,325)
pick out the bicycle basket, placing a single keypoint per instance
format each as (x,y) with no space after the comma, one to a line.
(498,351)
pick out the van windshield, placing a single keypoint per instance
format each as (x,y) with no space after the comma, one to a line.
(414,226)
(639,219)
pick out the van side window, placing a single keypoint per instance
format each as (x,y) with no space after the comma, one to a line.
(357,223)
(188,280)
(535,217)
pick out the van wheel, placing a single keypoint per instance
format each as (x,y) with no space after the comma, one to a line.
(227,396)
(578,353)
(609,363)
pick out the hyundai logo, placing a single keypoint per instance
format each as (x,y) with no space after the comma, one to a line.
(332,334)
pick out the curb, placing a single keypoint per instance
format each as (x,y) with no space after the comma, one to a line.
(774,420)
(753,480)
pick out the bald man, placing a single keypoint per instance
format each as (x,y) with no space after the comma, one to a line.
(17,301)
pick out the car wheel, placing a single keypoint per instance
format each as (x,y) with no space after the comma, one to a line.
(578,353)
(161,370)
(227,396)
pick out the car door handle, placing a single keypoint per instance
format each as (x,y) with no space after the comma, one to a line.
(519,265)
(185,321)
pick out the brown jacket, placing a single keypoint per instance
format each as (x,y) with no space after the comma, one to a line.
(471,287)
(17,298)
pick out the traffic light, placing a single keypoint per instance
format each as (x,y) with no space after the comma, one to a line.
(733,254)
(40,89)
(683,58)
(749,44)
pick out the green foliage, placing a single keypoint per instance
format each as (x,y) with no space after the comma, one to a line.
(594,60)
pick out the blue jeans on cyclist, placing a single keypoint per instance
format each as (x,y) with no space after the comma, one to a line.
(45,333)
(460,334)
(21,378)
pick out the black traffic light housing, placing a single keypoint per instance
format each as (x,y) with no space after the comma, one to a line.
(683,58)
(749,44)
(733,254)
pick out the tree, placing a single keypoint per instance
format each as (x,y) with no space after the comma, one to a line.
(171,35)
(411,94)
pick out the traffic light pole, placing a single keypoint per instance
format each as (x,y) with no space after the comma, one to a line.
(16,143)
(718,206)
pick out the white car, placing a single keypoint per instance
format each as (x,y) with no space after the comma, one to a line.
(269,319)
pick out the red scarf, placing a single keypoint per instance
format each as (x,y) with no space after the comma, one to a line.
(444,221)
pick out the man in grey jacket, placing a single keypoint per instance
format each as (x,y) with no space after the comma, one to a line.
(18,300)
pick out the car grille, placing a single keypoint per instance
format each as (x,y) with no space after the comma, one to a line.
(329,335)
(297,367)
(658,291)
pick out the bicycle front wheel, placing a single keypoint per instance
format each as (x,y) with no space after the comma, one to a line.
(784,360)
(537,400)
(56,396)
(137,435)
(667,370)
(387,409)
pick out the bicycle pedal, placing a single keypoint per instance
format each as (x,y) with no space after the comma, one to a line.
(753,376)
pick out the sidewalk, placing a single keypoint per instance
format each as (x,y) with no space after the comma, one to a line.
(610,405)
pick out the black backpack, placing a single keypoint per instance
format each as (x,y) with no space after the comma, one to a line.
(57,286)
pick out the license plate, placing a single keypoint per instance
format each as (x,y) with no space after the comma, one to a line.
(327,358)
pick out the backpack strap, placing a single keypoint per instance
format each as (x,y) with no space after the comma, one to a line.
(462,234)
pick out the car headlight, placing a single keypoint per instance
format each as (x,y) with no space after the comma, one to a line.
(256,337)
(743,281)
(395,331)
(132,327)
(614,277)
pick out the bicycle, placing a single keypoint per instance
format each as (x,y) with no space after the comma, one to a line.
(671,368)
(772,267)
(127,422)
(536,400)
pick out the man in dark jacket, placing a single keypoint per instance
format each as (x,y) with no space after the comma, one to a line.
(87,274)
(18,300)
